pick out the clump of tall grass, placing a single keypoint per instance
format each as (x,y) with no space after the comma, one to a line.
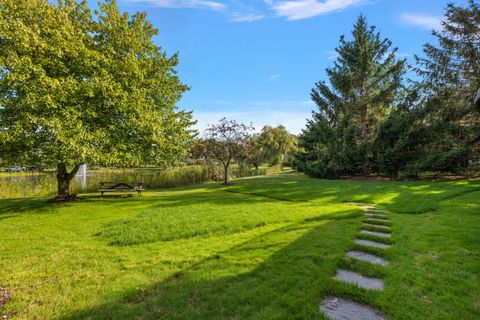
(20,185)
(45,184)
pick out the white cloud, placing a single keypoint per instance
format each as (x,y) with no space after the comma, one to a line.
(332,55)
(274,77)
(234,15)
(423,21)
(303,9)
(249,17)
(205,4)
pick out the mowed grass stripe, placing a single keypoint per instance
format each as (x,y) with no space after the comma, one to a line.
(217,213)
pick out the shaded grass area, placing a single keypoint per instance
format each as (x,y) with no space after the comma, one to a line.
(264,248)
(259,278)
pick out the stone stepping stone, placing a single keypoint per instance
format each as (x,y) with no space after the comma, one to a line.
(370,243)
(375,221)
(341,309)
(386,228)
(378,234)
(368,207)
(377,211)
(359,255)
(359,280)
(351,203)
(377,216)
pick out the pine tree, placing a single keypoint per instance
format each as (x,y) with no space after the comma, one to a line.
(363,83)
(450,73)
(401,140)
(436,127)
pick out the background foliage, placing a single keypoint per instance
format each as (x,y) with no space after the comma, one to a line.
(371,119)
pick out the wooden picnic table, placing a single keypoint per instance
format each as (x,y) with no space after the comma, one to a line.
(116,186)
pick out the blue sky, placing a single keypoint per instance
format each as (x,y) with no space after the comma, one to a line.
(257,60)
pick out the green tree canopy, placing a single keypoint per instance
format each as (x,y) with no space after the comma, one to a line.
(275,144)
(252,151)
(78,87)
(437,127)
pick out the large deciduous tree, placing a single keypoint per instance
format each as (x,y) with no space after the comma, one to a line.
(78,87)
(224,142)
(362,85)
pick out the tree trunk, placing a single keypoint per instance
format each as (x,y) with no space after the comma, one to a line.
(225,174)
(281,160)
(63,179)
(225,170)
(364,139)
(363,128)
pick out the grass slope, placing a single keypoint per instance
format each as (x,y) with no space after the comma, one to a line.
(264,248)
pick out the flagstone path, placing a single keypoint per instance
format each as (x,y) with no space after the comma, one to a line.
(337,308)
(341,309)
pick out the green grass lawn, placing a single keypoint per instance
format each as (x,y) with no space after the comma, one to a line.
(264,248)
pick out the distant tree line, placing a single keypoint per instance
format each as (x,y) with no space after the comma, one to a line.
(229,141)
(371,119)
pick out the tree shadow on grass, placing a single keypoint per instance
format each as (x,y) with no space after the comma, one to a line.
(287,284)
(8,216)
(402,196)
(42,206)
(296,194)
(19,206)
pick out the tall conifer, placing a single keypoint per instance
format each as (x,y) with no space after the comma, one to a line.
(361,87)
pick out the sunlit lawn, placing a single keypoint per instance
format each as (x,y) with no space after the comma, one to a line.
(264,248)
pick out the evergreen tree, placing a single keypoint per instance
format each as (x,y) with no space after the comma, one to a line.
(450,73)
(401,140)
(362,85)
(436,128)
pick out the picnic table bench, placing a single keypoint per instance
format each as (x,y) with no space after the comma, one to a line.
(113,186)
